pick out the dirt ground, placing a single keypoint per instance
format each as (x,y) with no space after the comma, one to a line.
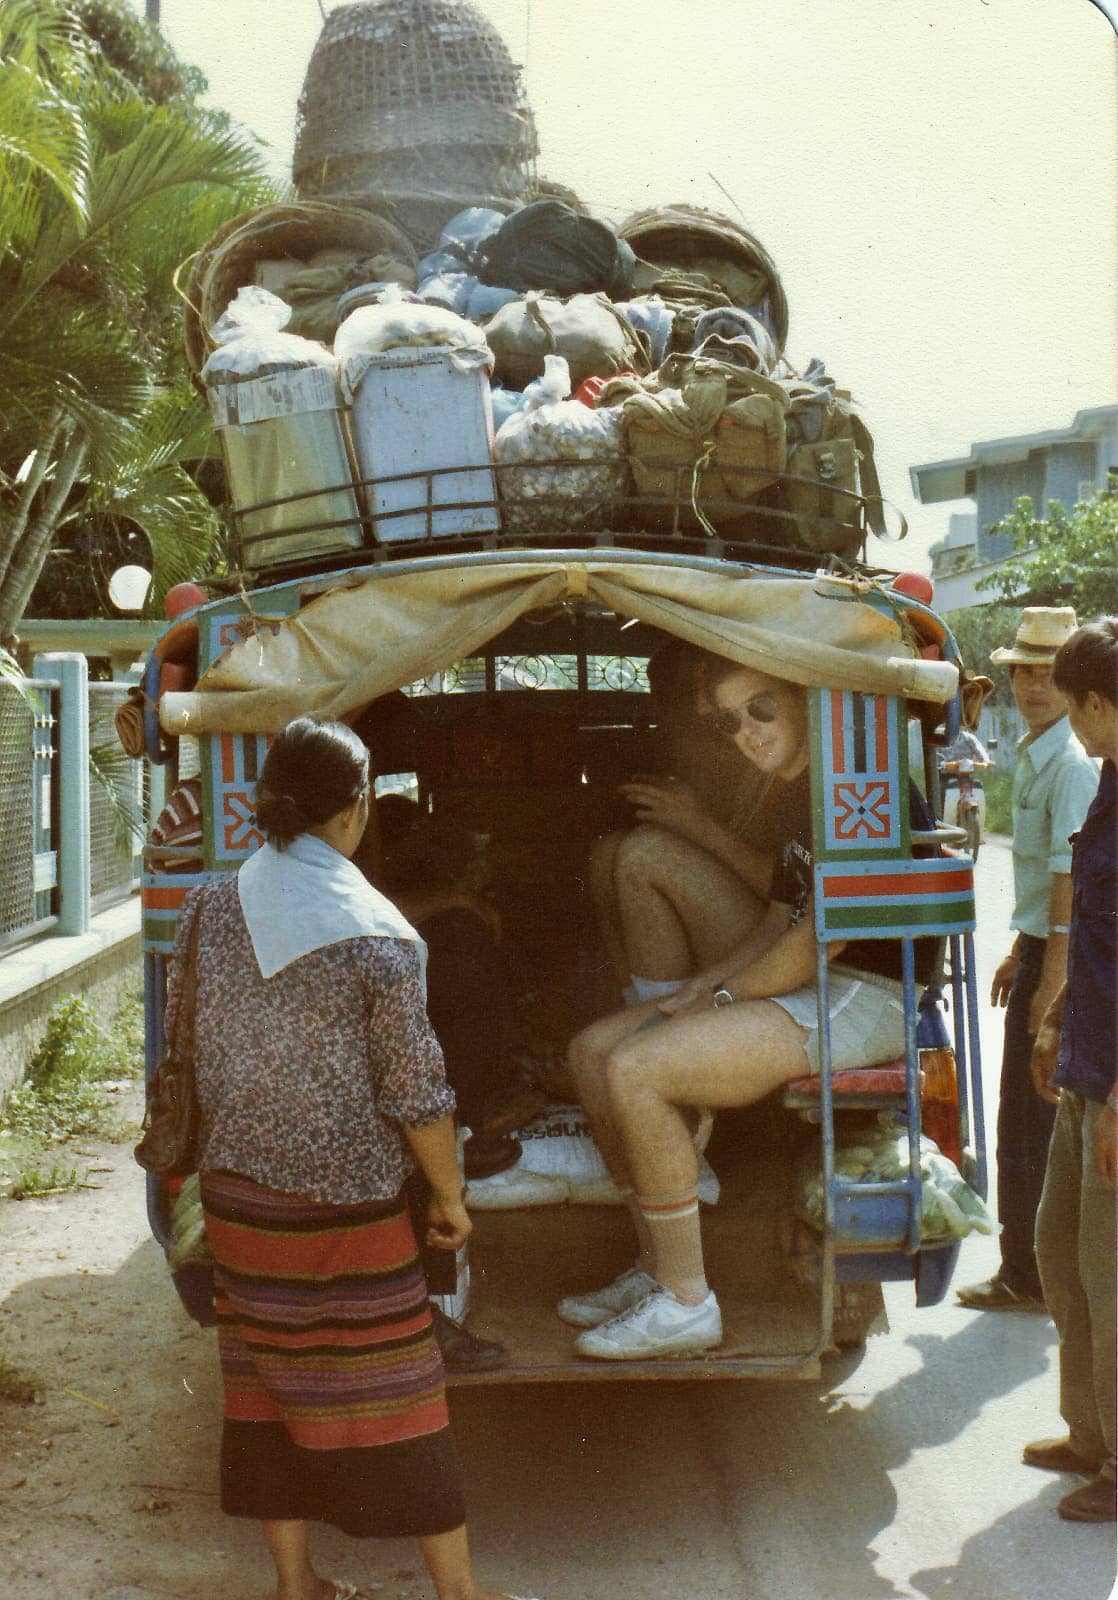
(108,1477)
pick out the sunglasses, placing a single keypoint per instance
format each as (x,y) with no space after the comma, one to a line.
(761,709)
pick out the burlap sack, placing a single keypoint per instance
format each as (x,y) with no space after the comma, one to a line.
(588,331)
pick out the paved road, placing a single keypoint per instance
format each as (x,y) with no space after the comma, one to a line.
(899,1475)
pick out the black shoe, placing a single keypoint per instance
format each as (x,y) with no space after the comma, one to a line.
(462,1351)
(485,1154)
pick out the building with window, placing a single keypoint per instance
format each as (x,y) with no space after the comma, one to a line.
(1065,464)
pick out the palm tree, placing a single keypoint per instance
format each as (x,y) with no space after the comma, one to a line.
(102,194)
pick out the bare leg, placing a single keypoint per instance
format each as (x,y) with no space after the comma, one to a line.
(728,1057)
(600,875)
(447,1559)
(296,1578)
(679,908)
(589,1058)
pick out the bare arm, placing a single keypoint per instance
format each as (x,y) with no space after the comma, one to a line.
(1054,969)
(777,958)
(435,1148)
(1046,1050)
(673,804)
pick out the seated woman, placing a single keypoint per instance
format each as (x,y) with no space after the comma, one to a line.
(734,1032)
(689,880)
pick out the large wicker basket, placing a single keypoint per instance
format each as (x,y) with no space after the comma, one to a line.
(228,260)
(412,97)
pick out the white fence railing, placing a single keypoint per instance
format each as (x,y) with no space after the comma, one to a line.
(71,828)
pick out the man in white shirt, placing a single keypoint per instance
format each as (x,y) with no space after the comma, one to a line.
(1054,783)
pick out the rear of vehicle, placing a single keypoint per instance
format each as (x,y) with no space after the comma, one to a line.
(503,682)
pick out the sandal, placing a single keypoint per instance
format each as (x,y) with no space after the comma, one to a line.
(996,1295)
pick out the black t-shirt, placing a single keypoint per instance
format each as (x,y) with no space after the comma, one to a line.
(793,884)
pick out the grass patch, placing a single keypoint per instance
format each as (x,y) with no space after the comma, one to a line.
(997,786)
(31,1182)
(67,1093)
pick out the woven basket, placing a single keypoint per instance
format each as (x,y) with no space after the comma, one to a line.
(411,95)
(692,239)
(228,260)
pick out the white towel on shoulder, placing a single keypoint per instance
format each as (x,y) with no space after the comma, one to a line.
(308,896)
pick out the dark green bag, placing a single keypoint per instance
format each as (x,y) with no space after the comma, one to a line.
(548,245)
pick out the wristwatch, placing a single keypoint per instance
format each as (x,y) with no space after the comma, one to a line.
(721,996)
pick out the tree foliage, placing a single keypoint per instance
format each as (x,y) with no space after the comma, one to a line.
(111,175)
(1064,558)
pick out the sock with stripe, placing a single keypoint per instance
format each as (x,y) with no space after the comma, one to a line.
(672,1221)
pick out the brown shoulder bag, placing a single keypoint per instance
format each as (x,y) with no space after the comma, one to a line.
(169,1147)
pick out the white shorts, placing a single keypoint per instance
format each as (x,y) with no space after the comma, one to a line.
(866,1017)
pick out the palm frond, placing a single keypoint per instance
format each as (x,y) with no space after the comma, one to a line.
(168,150)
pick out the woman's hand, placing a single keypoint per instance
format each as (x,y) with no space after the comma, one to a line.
(671,803)
(448,1222)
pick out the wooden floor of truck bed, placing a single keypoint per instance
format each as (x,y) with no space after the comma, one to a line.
(523,1262)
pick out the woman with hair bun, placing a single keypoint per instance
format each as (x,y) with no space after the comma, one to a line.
(321,1089)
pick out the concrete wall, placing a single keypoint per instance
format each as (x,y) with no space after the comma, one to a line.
(103,964)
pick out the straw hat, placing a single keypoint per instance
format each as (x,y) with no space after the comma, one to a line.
(1040,633)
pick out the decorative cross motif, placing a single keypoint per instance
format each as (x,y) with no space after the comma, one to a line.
(862,810)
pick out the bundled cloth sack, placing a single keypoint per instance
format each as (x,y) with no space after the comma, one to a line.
(275,403)
(730,334)
(950,1208)
(830,466)
(580,454)
(549,245)
(702,429)
(397,323)
(588,331)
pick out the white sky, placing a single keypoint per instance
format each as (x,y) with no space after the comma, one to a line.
(935,179)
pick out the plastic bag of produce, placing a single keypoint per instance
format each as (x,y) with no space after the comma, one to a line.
(188,1243)
(950,1208)
(580,455)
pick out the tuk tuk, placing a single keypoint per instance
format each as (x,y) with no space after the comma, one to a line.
(504,676)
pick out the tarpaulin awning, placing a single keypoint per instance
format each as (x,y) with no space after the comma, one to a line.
(400,623)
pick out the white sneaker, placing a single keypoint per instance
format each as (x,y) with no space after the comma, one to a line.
(660,1325)
(600,1305)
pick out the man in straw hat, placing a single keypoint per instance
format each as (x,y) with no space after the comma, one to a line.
(1054,782)
(1075,1064)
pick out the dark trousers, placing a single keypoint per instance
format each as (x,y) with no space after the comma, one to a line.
(1024,1130)
(469,1002)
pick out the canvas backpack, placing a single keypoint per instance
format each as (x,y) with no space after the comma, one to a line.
(830,472)
(702,430)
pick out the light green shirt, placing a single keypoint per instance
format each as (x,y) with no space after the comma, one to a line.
(1054,782)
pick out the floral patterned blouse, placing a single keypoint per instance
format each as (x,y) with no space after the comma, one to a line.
(305,1078)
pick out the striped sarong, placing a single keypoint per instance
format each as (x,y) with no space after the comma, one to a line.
(328,1362)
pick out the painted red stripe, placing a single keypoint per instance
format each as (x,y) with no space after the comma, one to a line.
(881,729)
(227,762)
(164,899)
(891,884)
(838,756)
